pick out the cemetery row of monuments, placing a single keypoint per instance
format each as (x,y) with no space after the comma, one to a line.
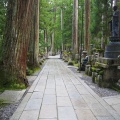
(105,70)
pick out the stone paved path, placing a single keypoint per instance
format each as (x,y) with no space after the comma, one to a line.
(59,94)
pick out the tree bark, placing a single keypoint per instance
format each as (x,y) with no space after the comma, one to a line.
(16,39)
(75,27)
(62,45)
(53,49)
(53,33)
(33,51)
(45,39)
(36,47)
(87,24)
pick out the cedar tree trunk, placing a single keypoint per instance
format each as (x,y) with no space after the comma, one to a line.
(16,39)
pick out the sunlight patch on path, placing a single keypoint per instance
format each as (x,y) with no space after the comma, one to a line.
(54,57)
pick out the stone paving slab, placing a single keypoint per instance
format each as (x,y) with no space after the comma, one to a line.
(33,104)
(47,119)
(34,84)
(37,95)
(101,112)
(63,101)
(48,112)
(105,118)
(112,100)
(79,104)
(59,94)
(49,100)
(39,88)
(50,91)
(16,116)
(66,113)
(29,115)
(117,108)
(11,96)
(85,114)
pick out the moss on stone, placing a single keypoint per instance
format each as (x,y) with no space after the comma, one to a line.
(70,63)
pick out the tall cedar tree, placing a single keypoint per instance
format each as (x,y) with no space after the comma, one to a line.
(16,39)
(75,27)
(87,24)
(33,50)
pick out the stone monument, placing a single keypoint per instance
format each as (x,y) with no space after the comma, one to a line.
(113,48)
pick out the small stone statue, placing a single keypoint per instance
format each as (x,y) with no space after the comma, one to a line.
(115,22)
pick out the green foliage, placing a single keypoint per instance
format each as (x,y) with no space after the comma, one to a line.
(100,12)
(1,39)
(67,26)
(76,65)
(17,86)
(100,50)
(66,53)
(115,87)
(3,8)
(5,79)
(70,63)
(101,72)
(9,81)
(93,69)
(30,70)
(50,20)
(97,69)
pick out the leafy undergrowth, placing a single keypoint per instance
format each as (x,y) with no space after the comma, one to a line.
(76,65)
(115,87)
(9,82)
(31,70)
(13,86)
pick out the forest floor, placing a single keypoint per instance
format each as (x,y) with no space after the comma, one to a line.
(6,111)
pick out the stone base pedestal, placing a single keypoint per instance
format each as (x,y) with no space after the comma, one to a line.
(113,48)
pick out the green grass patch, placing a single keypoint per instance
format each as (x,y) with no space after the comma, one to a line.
(14,86)
(76,65)
(17,86)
